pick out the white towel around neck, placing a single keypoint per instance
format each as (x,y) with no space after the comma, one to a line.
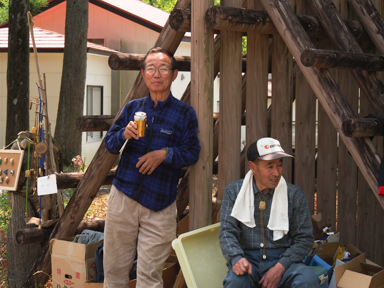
(244,207)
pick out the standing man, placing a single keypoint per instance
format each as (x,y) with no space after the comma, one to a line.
(141,216)
(266,229)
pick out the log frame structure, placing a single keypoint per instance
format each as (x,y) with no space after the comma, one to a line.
(311,87)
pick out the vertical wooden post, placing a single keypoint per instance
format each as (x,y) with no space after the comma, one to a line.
(202,65)
(347,195)
(327,146)
(282,96)
(305,127)
(257,84)
(230,105)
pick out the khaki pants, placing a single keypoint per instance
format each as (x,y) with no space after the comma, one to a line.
(130,227)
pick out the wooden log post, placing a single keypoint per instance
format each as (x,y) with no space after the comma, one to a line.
(90,123)
(362,127)
(326,90)
(123,61)
(97,170)
(255,21)
(342,60)
(343,40)
(128,61)
(230,105)
(38,235)
(202,68)
(180,20)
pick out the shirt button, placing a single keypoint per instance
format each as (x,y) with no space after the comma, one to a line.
(261,245)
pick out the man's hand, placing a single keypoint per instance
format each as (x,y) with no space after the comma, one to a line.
(242,266)
(149,162)
(273,276)
(131,131)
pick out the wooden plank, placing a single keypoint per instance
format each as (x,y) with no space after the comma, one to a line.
(347,167)
(325,88)
(97,170)
(230,105)
(257,84)
(326,169)
(282,95)
(367,205)
(202,66)
(305,129)
(327,142)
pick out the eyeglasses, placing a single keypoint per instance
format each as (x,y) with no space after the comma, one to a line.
(163,70)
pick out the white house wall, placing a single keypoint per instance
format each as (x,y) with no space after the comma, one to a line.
(98,74)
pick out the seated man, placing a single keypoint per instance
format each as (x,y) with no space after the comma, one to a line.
(266,228)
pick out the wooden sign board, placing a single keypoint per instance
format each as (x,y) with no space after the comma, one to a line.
(10,166)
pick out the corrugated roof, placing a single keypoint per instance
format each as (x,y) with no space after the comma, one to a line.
(49,41)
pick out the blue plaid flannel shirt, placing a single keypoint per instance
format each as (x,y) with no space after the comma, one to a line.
(171,124)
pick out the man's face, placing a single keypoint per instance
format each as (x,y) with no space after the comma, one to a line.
(267,173)
(157,82)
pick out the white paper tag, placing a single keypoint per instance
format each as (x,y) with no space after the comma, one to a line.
(46,185)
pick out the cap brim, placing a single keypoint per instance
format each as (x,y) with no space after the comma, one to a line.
(274,156)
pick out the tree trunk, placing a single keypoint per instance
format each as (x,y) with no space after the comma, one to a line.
(73,79)
(20,258)
(18,70)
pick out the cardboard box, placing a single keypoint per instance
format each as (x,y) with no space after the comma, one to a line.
(170,271)
(357,273)
(72,263)
(328,251)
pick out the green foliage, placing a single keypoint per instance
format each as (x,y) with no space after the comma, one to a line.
(165,5)
(5,211)
(35,8)
(244,44)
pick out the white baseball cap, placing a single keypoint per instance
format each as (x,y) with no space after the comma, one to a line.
(266,149)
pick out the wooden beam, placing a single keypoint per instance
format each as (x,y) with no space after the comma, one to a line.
(38,235)
(362,127)
(127,61)
(371,20)
(343,40)
(342,60)
(103,122)
(71,180)
(326,90)
(90,123)
(121,61)
(98,169)
(255,20)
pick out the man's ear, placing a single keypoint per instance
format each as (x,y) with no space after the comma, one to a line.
(252,166)
(142,73)
(175,72)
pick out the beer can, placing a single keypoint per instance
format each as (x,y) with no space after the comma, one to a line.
(140,120)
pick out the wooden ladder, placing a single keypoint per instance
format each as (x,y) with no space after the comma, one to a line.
(326,89)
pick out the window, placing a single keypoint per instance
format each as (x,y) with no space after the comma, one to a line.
(94,107)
